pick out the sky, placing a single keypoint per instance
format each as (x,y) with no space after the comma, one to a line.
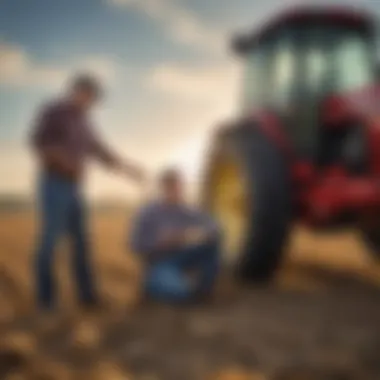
(169,75)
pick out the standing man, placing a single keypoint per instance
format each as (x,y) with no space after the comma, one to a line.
(179,245)
(64,140)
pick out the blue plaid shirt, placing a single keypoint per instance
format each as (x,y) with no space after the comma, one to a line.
(158,216)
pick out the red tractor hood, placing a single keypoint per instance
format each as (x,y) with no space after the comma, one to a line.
(357,105)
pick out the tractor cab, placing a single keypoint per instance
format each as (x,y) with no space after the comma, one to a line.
(299,61)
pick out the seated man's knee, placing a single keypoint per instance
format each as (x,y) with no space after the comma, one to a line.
(166,284)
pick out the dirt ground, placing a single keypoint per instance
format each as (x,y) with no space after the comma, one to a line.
(319,320)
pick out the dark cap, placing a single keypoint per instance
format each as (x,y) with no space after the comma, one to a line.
(88,83)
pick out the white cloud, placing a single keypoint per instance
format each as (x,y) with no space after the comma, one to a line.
(198,83)
(120,2)
(181,24)
(19,69)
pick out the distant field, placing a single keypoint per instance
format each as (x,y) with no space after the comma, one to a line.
(327,276)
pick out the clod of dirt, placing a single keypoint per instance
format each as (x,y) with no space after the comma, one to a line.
(314,374)
(10,361)
(43,370)
(16,350)
(86,335)
(237,374)
(105,370)
(16,376)
(203,327)
(149,376)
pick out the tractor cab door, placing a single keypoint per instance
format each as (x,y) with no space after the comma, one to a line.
(302,107)
(276,78)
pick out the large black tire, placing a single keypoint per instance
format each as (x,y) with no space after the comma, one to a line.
(371,237)
(269,202)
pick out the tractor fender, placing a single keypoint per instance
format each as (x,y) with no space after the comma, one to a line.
(266,123)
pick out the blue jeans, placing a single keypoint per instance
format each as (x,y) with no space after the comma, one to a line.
(62,212)
(168,280)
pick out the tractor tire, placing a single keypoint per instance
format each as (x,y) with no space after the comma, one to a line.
(371,238)
(268,201)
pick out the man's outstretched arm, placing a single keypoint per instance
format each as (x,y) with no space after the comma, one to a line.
(113,161)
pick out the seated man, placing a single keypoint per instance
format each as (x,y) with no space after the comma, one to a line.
(179,245)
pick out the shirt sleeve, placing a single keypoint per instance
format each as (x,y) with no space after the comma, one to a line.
(47,129)
(143,234)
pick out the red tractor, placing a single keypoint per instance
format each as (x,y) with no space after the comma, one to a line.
(306,147)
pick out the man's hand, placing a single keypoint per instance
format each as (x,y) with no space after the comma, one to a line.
(134,172)
(197,235)
(170,239)
(112,160)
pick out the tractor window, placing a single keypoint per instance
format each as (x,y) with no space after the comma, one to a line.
(301,64)
(284,72)
(338,59)
(270,73)
(255,78)
(316,70)
(250,81)
(353,63)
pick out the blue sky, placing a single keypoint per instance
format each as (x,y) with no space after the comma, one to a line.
(165,62)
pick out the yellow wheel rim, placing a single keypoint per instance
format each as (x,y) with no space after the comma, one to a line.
(229,204)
